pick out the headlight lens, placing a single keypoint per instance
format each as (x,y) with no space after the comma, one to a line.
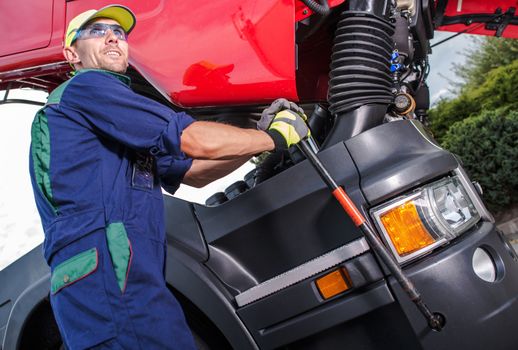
(453,207)
(413,225)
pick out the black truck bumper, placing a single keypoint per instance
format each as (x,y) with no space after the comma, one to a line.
(479,314)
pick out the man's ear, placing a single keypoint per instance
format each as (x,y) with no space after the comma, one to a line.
(71,55)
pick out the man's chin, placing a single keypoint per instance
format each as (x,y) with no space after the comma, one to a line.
(116,68)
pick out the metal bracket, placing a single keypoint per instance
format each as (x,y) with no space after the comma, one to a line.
(440,9)
(502,21)
(7,90)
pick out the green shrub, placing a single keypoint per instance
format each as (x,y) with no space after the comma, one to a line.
(488,147)
(497,90)
(447,112)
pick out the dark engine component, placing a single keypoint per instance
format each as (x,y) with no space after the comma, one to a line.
(404,103)
(360,62)
(250,178)
(402,39)
(360,85)
(422,100)
(216,199)
(320,8)
(319,122)
(235,189)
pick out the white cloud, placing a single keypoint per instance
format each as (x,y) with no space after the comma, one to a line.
(443,93)
(442,59)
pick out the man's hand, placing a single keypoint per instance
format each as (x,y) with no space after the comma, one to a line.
(288,128)
(277,106)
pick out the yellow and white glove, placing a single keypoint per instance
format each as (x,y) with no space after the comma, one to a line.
(277,106)
(288,128)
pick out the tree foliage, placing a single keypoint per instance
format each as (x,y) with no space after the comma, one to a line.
(481,123)
(486,54)
(497,90)
(488,147)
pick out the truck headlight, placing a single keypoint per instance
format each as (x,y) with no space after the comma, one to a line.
(452,206)
(415,224)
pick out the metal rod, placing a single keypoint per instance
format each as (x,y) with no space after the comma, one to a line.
(7,90)
(465,31)
(435,321)
(21,101)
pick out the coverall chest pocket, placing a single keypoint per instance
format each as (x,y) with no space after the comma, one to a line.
(79,298)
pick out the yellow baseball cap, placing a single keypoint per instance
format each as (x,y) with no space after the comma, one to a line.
(119,13)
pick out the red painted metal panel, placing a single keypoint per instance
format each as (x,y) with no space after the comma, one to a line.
(21,30)
(463,7)
(470,7)
(210,53)
(50,54)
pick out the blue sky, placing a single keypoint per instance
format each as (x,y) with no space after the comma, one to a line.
(441,62)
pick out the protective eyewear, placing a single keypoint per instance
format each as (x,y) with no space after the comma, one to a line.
(99,30)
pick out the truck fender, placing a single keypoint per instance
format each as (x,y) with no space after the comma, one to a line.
(194,281)
(22,308)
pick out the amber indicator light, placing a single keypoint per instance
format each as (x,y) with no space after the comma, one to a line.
(333,283)
(405,229)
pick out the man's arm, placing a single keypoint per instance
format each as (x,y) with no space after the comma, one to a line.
(218,149)
(210,140)
(203,172)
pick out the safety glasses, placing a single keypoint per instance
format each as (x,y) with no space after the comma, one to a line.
(99,30)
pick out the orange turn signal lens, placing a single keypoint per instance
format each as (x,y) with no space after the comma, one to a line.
(333,283)
(405,229)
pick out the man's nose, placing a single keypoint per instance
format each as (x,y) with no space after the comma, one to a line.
(111,37)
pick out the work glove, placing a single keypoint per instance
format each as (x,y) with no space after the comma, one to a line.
(288,128)
(278,105)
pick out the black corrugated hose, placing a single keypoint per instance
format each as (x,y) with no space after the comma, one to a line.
(360,62)
(321,9)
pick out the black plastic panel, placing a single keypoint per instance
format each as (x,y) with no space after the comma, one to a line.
(281,223)
(23,285)
(182,228)
(385,328)
(299,310)
(196,283)
(479,314)
(395,157)
(356,122)
(339,310)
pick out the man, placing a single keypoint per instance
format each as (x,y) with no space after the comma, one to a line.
(99,157)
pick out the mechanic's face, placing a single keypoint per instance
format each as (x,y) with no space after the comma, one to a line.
(108,52)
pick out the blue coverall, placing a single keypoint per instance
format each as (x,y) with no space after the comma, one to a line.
(99,156)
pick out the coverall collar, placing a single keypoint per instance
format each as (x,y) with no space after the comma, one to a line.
(123,78)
